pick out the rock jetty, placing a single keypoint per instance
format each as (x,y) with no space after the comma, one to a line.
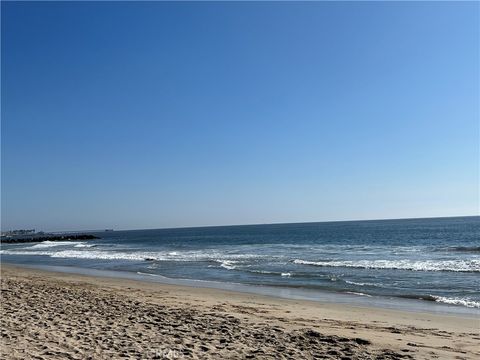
(66,237)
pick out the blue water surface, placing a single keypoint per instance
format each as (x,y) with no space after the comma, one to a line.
(434,259)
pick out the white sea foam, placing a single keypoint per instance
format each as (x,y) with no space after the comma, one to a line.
(137,256)
(89,254)
(286,274)
(103,255)
(83,245)
(228,264)
(458,301)
(49,244)
(472,265)
(360,283)
(358,293)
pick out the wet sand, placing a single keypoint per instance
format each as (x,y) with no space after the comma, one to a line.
(50,315)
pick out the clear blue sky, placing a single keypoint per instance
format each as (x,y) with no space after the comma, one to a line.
(123,115)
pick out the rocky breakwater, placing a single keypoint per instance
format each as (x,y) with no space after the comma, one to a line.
(33,238)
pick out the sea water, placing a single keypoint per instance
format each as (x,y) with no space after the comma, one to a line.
(436,260)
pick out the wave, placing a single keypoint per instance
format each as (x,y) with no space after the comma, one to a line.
(472,265)
(227,264)
(137,256)
(468,302)
(266,272)
(49,244)
(79,254)
(360,283)
(458,301)
(82,245)
(468,249)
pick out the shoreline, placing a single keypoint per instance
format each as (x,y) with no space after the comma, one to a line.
(324,297)
(347,330)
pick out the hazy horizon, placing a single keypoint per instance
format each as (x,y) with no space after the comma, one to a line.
(159,115)
(235,225)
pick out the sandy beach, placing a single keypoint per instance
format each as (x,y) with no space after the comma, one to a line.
(48,315)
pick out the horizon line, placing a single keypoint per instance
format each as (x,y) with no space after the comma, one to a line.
(257,224)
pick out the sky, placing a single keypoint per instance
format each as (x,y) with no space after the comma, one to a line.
(147,115)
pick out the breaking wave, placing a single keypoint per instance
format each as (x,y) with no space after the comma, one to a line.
(458,301)
(472,265)
(82,245)
(48,244)
(466,301)
(225,259)
(227,264)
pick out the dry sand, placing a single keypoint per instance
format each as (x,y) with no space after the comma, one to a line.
(48,315)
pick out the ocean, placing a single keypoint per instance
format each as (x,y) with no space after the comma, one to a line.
(434,261)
